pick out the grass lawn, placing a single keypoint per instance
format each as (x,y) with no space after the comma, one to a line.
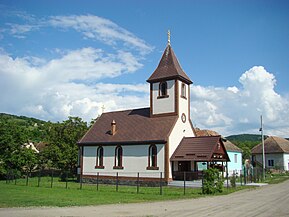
(20,195)
(276,178)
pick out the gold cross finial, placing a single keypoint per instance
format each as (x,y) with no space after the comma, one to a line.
(169,37)
(102,108)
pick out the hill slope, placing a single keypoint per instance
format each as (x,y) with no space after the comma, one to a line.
(245,137)
(32,127)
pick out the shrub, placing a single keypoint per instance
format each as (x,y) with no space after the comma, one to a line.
(233,181)
(213,183)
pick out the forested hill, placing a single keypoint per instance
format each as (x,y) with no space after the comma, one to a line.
(31,128)
(245,137)
(22,120)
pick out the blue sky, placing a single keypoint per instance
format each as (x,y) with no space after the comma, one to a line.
(61,58)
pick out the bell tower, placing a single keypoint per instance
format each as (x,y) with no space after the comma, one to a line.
(169,87)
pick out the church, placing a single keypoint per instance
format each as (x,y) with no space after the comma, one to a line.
(154,143)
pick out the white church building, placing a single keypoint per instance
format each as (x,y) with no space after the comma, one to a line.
(149,144)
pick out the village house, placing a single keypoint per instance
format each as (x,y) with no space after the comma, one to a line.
(276,153)
(158,142)
(234,152)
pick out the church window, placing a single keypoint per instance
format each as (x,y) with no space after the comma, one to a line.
(118,158)
(183,91)
(163,92)
(99,158)
(152,158)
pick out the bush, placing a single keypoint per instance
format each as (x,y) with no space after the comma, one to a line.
(213,183)
(233,181)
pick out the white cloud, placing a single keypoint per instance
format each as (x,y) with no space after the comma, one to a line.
(99,28)
(90,26)
(57,89)
(235,110)
(90,63)
(70,84)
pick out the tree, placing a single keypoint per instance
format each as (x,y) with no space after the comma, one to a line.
(12,137)
(62,151)
(26,159)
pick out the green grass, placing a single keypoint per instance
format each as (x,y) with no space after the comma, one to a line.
(20,195)
(276,178)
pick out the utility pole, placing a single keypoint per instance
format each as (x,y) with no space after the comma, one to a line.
(263,148)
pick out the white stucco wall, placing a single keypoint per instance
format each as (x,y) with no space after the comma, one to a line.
(183,103)
(135,159)
(286,161)
(164,105)
(180,130)
(232,165)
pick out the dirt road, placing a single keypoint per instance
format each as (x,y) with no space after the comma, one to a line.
(271,200)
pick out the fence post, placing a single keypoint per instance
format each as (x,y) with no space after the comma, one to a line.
(39,175)
(184,182)
(66,179)
(161,184)
(15,178)
(245,181)
(241,177)
(116,184)
(202,181)
(51,184)
(97,180)
(27,178)
(137,184)
(80,181)
(227,173)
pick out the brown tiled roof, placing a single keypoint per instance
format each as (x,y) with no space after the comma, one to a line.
(199,149)
(200,132)
(272,144)
(132,127)
(228,145)
(169,68)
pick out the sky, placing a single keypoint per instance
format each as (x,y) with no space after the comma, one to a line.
(80,58)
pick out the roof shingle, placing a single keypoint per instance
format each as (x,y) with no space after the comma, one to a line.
(228,144)
(132,127)
(169,68)
(272,144)
(199,149)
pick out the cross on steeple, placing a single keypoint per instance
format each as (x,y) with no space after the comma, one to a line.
(169,37)
(102,108)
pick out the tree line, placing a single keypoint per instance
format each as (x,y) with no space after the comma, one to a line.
(59,144)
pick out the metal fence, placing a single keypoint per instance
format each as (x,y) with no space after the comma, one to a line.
(50,178)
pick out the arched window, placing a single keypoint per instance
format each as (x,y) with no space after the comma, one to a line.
(99,158)
(118,158)
(163,89)
(152,158)
(183,91)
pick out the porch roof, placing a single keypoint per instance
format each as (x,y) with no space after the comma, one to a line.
(204,148)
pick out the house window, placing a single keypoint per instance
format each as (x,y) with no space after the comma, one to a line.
(270,163)
(235,158)
(118,158)
(163,90)
(99,158)
(183,91)
(152,158)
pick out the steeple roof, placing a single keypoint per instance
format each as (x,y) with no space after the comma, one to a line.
(169,68)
